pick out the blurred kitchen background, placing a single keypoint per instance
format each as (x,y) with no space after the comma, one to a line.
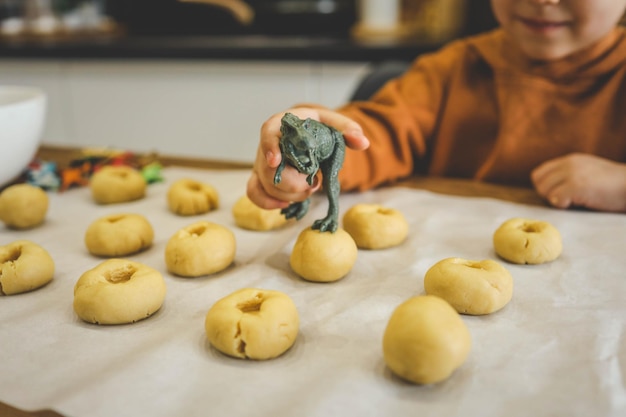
(335,18)
(196,78)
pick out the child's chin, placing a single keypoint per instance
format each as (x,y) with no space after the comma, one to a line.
(547,52)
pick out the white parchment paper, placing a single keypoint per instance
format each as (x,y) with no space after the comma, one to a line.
(557,349)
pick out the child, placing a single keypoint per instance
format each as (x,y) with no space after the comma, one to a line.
(539,101)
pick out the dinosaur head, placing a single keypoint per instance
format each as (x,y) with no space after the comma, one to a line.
(298,145)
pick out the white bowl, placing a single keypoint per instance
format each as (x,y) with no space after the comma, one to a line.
(22,118)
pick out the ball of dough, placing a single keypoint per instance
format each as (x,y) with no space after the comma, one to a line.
(526,241)
(187,197)
(118,291)
(323,256)
(373,226)
(471,287)
(202,248)
(23,206)
(253,324)
(425,340)
(252,217)
(119,235)
(24,266)
(117,184)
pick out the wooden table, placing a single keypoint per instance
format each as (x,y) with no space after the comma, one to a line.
(9,411)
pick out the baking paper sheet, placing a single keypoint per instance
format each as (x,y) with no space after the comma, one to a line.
(557,349)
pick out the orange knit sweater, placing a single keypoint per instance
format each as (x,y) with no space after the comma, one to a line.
(479,109)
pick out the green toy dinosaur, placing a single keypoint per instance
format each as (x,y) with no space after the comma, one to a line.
(309,145)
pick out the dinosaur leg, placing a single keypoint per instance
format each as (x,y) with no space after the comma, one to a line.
(330,170)
(330,223)
(297,210)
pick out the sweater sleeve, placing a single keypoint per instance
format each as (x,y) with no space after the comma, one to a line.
(398,121)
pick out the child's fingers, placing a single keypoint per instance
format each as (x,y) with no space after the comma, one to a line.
(293,187)
(257,194)
(548,176)
(550,183)
(356,140)
(545,170)
(270,136)
(560,196)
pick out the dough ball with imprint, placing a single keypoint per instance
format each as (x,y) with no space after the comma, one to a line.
(323,256)
(425,340)
(373,226)
(471,287)
(188,197)
(119,235)
(24,266)
(23,206)
(252,217)
(527,241)
(118,291)
(253,324)
(202,248)
(117,184)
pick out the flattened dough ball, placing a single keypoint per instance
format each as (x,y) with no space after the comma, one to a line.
(202,248)
(252,217)
(23,206)
(425,340)
(471,287)
(24,266)
(119,235)
(527,241)
(323,256)
(373,226)
(118,291)
(188,197)
(253,324)
(117,184)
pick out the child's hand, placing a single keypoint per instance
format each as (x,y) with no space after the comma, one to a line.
(293,186)
(582,180)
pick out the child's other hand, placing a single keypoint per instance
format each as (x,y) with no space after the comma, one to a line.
(582,180)
(293,186)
